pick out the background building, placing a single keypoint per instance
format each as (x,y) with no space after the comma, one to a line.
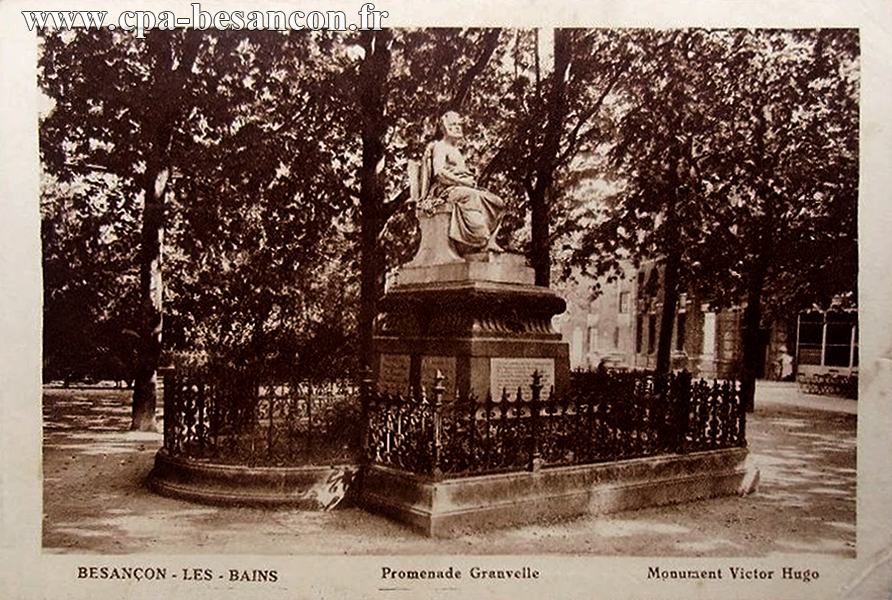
(621,327)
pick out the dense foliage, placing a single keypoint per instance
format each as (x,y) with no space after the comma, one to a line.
(268,169)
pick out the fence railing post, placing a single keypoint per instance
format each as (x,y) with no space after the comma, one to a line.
(439,390)
(365,391)
(535,456)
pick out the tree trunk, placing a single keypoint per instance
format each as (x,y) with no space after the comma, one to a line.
(546,161)
(158,128)
(667,317)
(762,247)
(752,322)
(151,292)
(371,103)
(490,41)
(752,318)
(540,243)
(671,265)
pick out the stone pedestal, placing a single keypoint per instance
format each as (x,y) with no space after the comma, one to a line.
(479,320)
(453,507)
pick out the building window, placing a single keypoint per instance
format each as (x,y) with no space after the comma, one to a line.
(651,333)
(679,331)
(811,338)
(653,282)
(616,338)
(624,298)
(829,340)
(639,334)
(708,342)
(838,350)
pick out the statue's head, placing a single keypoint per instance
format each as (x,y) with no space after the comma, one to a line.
(449,125)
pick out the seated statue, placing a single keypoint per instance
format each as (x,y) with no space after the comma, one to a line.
(446,183)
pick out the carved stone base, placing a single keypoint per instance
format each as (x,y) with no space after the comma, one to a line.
(479,321)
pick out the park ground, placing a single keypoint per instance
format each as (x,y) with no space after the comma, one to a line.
(96,500)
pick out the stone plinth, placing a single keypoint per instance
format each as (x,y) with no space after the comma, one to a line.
(479,320)
(453,506)
(306,488)
(482,267)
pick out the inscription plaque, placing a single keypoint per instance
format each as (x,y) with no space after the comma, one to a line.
(511,373)
(429,367)
(393,373)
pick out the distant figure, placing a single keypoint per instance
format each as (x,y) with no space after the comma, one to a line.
(476,213)
(785,364)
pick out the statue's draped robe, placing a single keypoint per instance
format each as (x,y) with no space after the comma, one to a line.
(476,213)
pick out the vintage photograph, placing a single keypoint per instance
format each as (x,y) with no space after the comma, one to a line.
(477,299)
(453,291)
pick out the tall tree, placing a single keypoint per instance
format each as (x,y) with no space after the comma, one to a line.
(554,115)
(118,105)
(787,221)
(172,57)
(737,163)
(541,180)
(205,133)
(371,100)
(668,133)
(257,227)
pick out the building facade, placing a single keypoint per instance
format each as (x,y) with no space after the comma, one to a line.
(621,326)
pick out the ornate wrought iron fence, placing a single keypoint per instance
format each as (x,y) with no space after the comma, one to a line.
(606,416)
(249,417)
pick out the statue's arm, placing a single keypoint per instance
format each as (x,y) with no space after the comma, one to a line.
(444,172)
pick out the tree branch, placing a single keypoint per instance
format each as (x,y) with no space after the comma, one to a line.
(490,43)
(574,134)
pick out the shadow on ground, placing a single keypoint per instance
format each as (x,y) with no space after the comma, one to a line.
(95,501)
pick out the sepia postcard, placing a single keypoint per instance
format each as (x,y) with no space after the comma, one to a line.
(506,299)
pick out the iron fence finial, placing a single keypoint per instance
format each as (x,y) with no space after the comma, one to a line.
(439,378)
(535,460)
